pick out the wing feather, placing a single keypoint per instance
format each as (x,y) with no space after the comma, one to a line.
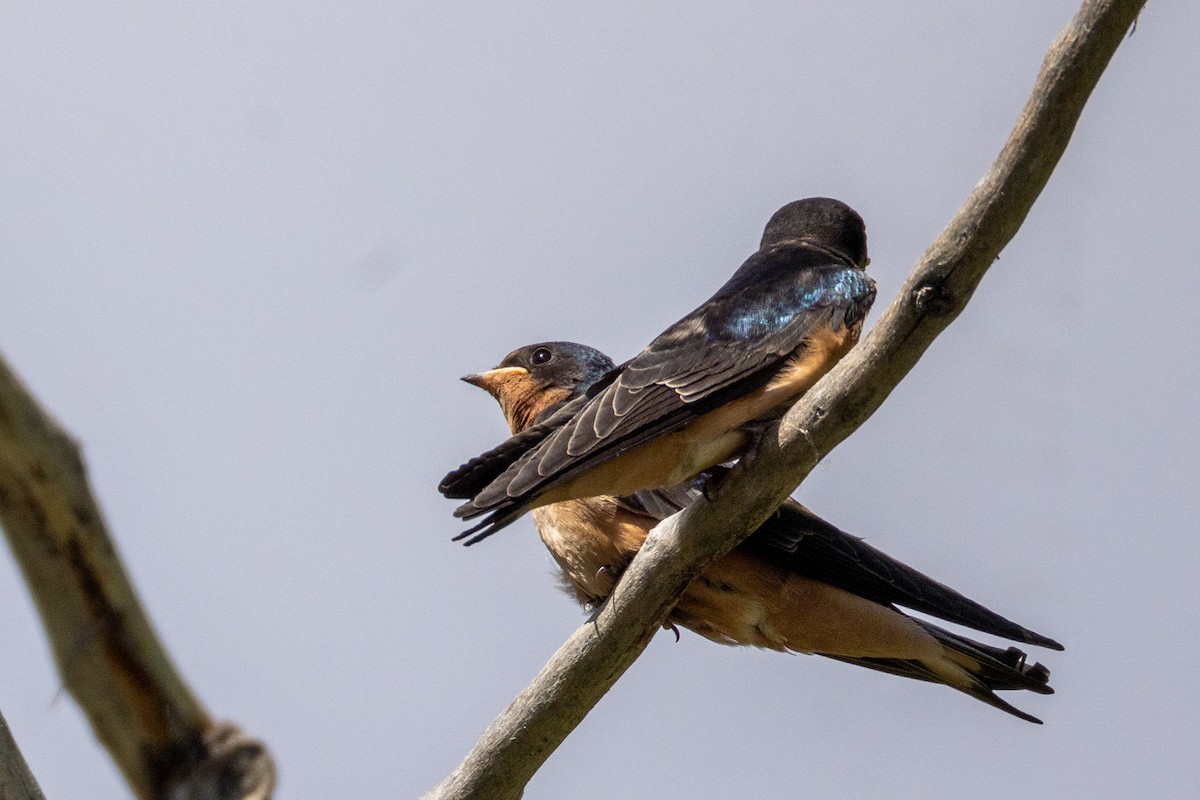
(808,545)
(728,347)
(799,541)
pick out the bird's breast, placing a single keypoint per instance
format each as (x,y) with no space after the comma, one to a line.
(808,364)
(592,541)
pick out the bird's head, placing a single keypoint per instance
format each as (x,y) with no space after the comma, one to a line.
(822,221)
(540,376)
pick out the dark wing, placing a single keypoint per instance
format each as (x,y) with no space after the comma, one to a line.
(991,669)
(725,349)
(799,540)
(473,476)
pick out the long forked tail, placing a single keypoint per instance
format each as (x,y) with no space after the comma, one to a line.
(974,668)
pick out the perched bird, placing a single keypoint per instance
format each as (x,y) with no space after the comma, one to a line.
(797,583)
(699,393)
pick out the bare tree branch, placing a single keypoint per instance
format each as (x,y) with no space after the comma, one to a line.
(109,657)
(516,744)
(16,781)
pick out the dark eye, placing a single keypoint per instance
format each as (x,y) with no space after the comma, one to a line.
(540,356)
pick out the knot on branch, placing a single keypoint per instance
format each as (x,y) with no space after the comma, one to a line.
(934,298)
(230,766)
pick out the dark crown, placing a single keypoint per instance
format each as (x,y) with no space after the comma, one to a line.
(822,221)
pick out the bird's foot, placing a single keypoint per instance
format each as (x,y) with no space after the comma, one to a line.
(609,571)
(607,574)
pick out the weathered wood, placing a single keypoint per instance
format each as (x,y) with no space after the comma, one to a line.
(108,655)
(16,781)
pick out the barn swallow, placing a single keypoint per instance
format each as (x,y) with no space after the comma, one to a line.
(699,392)
(797,583)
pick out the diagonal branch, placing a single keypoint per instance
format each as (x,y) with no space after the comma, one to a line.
(16,781)
(519,741)
(109,657)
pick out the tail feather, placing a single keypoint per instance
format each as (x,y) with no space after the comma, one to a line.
(973,668)
(495,508)
(493,522)
(1001,669)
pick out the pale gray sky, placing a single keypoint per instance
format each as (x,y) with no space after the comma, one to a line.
(247,250)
